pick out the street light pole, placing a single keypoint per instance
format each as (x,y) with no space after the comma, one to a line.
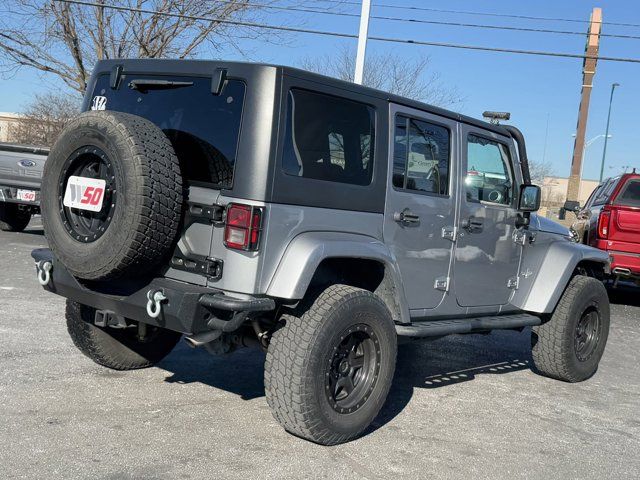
(362,41)
(606,133)
(584,156)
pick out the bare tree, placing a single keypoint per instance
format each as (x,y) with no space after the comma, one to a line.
(44,118)
(412,78)
(539,171)
(66,39)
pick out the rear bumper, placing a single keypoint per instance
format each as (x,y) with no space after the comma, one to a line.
(187,308)
(9,194)
(625,264)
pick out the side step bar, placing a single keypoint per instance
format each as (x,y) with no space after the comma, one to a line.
(437,328)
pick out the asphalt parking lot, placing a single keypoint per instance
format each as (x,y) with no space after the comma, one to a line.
(461,407)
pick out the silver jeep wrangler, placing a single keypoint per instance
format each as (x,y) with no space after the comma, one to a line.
(243,204)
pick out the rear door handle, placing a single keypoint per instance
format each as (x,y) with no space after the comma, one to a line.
(406,216)
(472,224)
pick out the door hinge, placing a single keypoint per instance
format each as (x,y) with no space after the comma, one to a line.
(209,213)
(450,233)
(209,267)
(442,283)
(521,237)
(513,282)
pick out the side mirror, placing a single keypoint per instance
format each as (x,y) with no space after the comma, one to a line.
(529,198)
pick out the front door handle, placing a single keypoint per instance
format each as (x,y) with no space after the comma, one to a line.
(406,216)
(472,224)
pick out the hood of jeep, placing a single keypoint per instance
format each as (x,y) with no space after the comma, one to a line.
(543,224)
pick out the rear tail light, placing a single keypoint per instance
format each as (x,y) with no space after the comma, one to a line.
(243,227)
(603,224)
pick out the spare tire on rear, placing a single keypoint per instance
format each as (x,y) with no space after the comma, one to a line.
(121,213)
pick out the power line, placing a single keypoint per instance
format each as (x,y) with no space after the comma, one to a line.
(428,22)
(486,14)
(351,35)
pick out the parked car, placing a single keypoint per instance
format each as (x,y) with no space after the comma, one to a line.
(610,221)
(246,204)
(20,176)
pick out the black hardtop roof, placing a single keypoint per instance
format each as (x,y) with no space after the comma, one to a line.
(180,66)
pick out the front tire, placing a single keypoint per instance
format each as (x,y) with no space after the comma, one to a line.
(12,218)
(119,349)
(329,370)
(570,345)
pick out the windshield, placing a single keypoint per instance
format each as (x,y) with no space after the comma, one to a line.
(203,128)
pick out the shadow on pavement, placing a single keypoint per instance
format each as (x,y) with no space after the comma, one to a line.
(37,231)
(240,372)
(452,360)
(424,364)
(625,294)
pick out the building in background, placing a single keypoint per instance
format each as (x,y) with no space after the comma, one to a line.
(8,125)
(554,194)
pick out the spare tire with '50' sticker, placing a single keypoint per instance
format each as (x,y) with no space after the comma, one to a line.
(111,196)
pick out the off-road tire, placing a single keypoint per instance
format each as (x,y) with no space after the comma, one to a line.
(118,349)
(554,342)
(147,208)
(297,357)
(12,219)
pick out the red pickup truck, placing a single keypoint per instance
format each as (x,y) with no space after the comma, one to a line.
(610,220)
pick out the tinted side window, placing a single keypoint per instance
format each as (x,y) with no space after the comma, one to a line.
(591,198)
(328,138)
(488,171)
(421,156)
(630,194)
(605,191)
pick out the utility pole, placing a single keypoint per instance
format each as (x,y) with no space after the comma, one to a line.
(588,72)
(606,134)
(362,41)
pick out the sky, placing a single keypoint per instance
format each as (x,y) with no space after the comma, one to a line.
(542,93)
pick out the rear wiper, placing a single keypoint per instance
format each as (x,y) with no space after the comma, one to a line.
(144,85)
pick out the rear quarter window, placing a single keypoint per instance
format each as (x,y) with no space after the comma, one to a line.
(328,138)
(629,196)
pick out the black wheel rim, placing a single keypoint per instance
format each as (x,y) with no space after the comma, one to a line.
(83,225)
(353,369)
(587,333)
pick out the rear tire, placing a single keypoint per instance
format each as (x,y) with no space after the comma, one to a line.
(570,345)
(12,218)
(119,349)
(329,370)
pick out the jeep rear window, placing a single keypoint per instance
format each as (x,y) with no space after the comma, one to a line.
(328,138)
(203,128)
(630,194)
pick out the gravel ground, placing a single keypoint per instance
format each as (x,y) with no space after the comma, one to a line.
(461,407)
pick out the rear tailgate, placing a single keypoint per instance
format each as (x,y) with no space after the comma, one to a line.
(21,167)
